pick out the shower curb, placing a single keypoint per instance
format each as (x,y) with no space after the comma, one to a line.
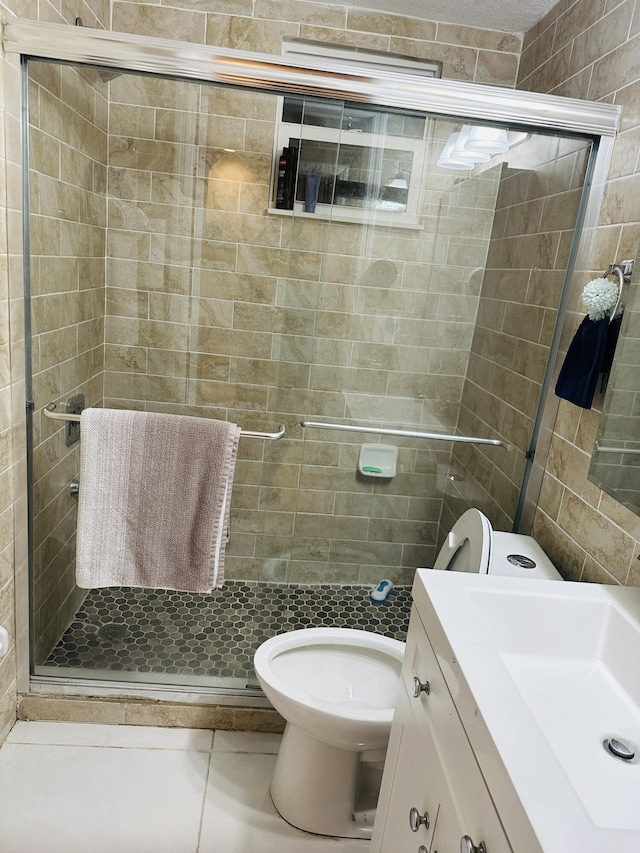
(147,712)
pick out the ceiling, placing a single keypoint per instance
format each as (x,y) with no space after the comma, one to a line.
(512,16)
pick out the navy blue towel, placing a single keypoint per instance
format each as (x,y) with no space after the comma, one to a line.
(590,354)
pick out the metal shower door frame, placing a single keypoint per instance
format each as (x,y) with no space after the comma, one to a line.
(321,77)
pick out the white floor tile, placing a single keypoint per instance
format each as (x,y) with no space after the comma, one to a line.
(81,799)
(88,734)
(263,742)
(239,816)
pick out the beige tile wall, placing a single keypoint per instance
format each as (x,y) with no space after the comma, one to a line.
(13,483)
(590,50)
(68,148)
(215,307)
(262,296)
(536,210)
(69,116)
(466,52)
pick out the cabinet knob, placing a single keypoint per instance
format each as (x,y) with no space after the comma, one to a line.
(416,820)
(423,849)
(467,846)
(420,687)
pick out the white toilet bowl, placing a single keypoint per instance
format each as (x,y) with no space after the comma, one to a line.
(336,688)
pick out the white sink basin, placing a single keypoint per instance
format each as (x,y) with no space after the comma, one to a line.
(554,670)
(576,664)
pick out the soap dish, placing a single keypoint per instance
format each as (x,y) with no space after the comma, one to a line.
(378,460)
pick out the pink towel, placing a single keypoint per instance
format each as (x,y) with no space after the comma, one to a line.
(155,493)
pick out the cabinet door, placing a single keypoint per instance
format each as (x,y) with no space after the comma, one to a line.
(411,780)
(437,712)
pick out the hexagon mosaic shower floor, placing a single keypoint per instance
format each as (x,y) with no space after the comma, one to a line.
(215,635)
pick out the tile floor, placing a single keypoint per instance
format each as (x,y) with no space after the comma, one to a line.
(82,788)
(142,630)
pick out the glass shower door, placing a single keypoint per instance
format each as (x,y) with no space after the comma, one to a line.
(165,276)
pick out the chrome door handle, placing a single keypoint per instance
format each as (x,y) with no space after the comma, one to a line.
(416,820)
(467,846)
(420,687)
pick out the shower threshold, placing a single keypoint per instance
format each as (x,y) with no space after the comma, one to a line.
(175,638)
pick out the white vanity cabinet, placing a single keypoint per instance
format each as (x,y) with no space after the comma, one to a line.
(508,749)
(433,794)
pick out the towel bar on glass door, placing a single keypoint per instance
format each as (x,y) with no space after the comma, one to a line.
(49,411)
(628,450)
(407,433)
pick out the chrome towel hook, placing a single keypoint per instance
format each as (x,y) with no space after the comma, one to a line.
(623,271)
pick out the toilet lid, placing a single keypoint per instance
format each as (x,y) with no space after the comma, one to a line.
(468,544)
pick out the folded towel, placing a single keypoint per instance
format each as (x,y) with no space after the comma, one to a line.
(155,493)
(590,353)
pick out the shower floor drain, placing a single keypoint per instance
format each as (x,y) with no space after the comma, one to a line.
(113,632)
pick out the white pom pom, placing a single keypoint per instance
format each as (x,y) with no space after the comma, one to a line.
(600,297)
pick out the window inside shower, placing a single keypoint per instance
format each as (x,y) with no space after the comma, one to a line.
(158,280)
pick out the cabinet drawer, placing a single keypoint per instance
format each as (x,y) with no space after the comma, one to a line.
(436,710)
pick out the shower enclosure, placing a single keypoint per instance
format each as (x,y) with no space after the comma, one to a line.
(416,307)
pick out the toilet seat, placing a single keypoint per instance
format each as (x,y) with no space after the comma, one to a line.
(310,666)
(467,547)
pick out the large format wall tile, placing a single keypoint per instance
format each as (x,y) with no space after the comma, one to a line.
(589,49)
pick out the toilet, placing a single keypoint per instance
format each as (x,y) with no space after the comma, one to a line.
(337,688)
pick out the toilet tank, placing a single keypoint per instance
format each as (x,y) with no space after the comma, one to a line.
(516,555)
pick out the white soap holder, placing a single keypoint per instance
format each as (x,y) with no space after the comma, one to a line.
(378,460)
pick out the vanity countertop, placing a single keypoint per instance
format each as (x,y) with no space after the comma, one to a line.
(542,673)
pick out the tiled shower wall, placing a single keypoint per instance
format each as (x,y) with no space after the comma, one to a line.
(205,293)
(536,210)
(147,328)
(215,307)
(253,306)
(13,551)
(68,147)
(467,53)
(590,50)
(187,235)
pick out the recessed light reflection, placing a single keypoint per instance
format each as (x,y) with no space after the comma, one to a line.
(475,144)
